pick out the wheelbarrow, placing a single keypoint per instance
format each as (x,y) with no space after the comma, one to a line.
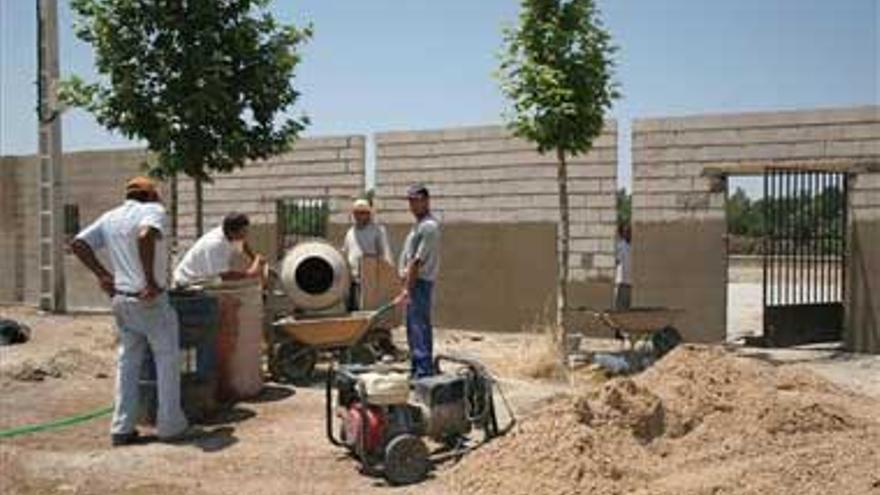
(634,324)
(299,342)
(647,334)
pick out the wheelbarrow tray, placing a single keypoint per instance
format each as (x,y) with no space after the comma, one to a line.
(638,320)
(337,331)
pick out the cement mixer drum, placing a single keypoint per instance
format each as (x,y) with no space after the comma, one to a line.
(315,275)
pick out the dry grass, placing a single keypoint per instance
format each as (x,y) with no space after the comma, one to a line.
(538,353)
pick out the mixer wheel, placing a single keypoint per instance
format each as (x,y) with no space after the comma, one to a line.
(406,460)
(293,362)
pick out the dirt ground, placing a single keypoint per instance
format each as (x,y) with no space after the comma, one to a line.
(273,444)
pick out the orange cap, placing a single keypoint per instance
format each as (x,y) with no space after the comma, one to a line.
(141,183)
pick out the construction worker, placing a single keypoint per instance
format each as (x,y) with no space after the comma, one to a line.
(364,238)
(134,235)
(418,266)
(212,255)
(623,285)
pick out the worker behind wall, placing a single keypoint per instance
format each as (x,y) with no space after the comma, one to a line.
(622,278)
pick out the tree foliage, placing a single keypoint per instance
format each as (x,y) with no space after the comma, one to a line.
(206,83)
(798,219)
(557,71)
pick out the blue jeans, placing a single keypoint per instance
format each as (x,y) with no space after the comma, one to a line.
(419,334)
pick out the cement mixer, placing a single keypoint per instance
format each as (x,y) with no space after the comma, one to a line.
(308,310)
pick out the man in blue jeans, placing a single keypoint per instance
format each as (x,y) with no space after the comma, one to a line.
(419,264)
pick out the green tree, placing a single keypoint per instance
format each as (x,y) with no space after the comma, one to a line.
(206,83)
(557,71)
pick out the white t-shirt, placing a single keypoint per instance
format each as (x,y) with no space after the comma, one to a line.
(622,276)
(369,240)
(118,230)
(206,259)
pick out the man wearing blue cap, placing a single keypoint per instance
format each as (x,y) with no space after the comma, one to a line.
(419,265)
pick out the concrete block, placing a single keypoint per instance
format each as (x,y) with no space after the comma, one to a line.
(603,261)
(577,274)
(607,215)
(864,198)
(647,170)
(662,185)
(582,185)
(866,182)
(847,149)
(585,245)
(646,200)
(693,201)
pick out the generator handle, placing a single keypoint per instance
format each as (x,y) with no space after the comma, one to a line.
(328,406)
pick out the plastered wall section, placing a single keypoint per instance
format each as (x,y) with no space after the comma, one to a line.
(483,176)
(862,333)
(679,248)
(327,167)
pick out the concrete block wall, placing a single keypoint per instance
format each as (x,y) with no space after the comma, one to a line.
(94,182)
(327,167)
(483,176)
(678,247)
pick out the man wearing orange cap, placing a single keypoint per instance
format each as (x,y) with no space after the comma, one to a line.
(134,236)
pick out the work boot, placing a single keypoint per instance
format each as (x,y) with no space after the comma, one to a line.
(123,439)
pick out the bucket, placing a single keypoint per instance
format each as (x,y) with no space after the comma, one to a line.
(239,342)
(197,314)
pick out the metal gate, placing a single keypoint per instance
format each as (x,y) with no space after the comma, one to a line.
(300,219)
(804,253)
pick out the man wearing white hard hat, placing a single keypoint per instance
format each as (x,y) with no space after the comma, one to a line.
(364,238)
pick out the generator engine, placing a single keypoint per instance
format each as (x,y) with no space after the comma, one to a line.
(384,417)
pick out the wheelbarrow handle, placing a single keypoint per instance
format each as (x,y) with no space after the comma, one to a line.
(378,313)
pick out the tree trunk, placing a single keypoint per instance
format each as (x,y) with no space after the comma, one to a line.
(199,225)
(562,253)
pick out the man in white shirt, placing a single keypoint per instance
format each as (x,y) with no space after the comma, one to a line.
(623,287)
(134,236)
(364,238)
(211,256)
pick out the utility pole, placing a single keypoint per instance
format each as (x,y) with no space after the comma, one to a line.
(51,190)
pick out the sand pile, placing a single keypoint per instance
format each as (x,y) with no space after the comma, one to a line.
(64,363)
(700,421)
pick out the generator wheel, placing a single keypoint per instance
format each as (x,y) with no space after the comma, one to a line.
(406,460)
(293,362)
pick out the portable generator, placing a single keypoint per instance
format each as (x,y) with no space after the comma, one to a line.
(384,417)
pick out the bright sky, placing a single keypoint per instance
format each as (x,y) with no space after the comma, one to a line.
(377,65)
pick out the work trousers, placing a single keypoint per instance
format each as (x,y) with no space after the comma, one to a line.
(146,325)
(419,333)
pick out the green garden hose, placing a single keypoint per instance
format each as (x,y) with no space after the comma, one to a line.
(58,423)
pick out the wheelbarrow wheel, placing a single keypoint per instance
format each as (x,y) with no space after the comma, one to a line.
(294,363)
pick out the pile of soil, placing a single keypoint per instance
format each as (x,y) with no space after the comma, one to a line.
(700,421)
(64,363)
